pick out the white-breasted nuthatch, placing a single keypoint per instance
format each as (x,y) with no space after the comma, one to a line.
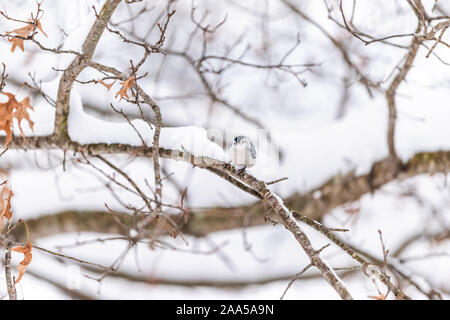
(242,153)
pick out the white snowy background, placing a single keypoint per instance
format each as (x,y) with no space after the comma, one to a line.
(315,145)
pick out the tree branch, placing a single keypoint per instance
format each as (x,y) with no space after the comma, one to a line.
(9,281)
(77,65)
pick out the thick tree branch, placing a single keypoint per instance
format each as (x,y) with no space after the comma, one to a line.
(314,204)
(77,65)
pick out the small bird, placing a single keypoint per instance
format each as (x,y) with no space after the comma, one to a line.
(242,153)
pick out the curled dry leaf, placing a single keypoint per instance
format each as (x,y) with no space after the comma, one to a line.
(127,84)
(6,121)
(27,256)
(22,33)
(16,42)
(21,113)
(108,86)
(39,26)
(14,109)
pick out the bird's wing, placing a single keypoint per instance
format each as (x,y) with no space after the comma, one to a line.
(252,150)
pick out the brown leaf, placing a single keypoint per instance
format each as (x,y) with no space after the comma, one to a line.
(379,297)
(127,84)
(39,26)
(6,118)
(27,256)
(21,113)
(26,250)
(14,109)
(16,42)
(108,86)
(23,32)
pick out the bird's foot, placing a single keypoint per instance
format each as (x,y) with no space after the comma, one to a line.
(227,165)
(241,171)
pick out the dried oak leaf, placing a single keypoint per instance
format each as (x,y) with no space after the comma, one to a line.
(16,42)
(127,84)
(108,86)
(14,109)
(23,32)
(27,256)
(6,118)
(21,113)
(39,26)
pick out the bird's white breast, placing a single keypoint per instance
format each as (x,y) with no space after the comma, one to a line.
(240,156)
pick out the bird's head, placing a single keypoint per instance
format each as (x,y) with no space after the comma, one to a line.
(241,140)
